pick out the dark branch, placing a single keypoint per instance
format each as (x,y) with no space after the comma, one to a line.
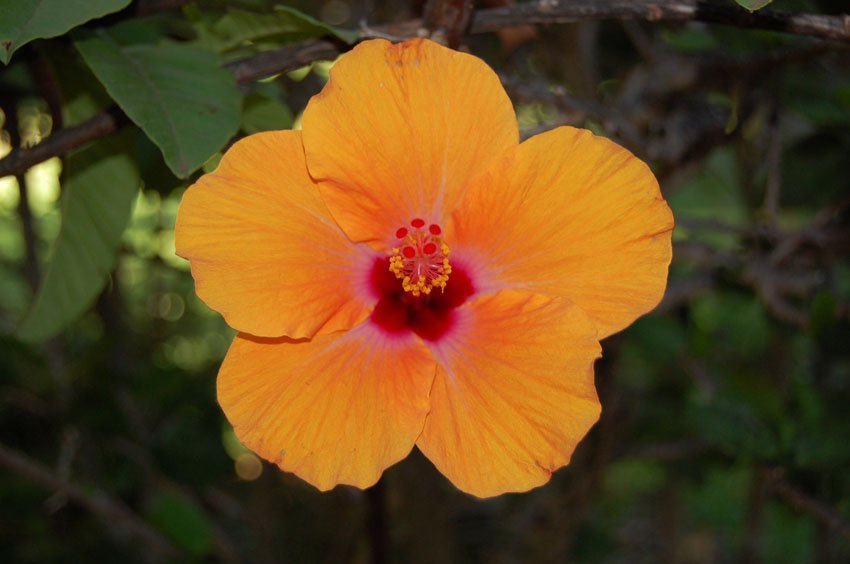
(801,501)
(567,11)
(542,12)
(282,59)
(62,141)
(107,122)
(110,510)
(447,20)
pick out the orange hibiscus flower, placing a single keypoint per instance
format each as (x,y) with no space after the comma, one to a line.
(404,272)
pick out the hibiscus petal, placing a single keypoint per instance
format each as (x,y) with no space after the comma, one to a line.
(264,251)
(514,393)
(570,214)
(400,130)
(337,409)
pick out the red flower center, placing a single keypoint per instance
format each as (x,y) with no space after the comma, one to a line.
(431,316)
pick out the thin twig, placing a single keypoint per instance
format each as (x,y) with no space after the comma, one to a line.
(19,160)
(30,266)
(773,185)
(752,549)
(31,273)
(54,355)
(447,21)
(283,59)
(640,39)
(567,11)
(112,511)
(779,485)
(64,465)
(615,124)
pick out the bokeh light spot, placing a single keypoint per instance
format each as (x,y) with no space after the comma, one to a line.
(248,466)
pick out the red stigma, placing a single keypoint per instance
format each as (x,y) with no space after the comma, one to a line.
(421,261)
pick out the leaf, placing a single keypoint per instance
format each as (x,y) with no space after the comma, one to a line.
(183,521)
(21,21)
(183,100)
(97,202)
(237,27)
(264,113)
(753,5)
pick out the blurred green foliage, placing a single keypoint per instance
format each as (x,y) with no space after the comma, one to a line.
(725,434)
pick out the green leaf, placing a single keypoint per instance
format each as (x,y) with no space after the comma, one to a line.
(97,201)
(238,27)
(753,5)
(183,100)
(264,113)
(183,521)
(21,21)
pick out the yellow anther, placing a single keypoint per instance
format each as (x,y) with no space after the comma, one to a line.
(422,261)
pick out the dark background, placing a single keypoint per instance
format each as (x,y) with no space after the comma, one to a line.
(725,434)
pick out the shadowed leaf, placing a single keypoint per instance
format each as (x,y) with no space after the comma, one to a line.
(21,21)
(753,5)
(183,521)
(183,100)
(264,113)
(285,24)
(97,201)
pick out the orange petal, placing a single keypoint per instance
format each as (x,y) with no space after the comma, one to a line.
(337,409)
(574,215)
(514,393)
(264,251)
(400,130)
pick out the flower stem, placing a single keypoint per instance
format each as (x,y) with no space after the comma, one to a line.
(377,522)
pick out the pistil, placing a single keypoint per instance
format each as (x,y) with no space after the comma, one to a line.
(421,258)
